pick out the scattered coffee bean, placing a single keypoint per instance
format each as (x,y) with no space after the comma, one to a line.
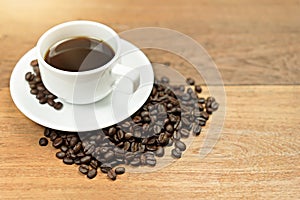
(86,159)
(57,142)
(68,161)
(180,145)
(120,170)
(43,141)
(60,154)
(190,81)
(84,169)
(112,174)
(198,88)
(92,173)
(34,63)
(58,105)
(176,153)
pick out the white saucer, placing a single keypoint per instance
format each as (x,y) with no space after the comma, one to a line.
(112,109)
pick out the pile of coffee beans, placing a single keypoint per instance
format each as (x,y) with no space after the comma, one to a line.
(38,89)
(169,114)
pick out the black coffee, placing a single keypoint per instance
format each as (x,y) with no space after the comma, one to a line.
(79,54)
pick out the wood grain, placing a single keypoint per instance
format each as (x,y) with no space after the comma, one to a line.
(257,157)
(255,45)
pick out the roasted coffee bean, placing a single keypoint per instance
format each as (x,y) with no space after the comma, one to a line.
(86,159)
(43,141)
(34,91)
(105,167)
(53,135)
(176,153)
(112,131)
(214,106)
(64,148)
(112,174)
(151,162)
(58,105)
(184,133)
(120,170)
(169,128)
(77,147)
(47,132)
(190,81)
(34,63)
(73,141)
(197,129)
(109,156)
(145,114)
(135,162)
(50,96)
(92,173)
(94,164)
(120,134)
(128,135)
(165,79)
(84,169)
(180,145)
(28,76)
(40,88)
(32,86)
(160,151)
(60,154)
(50,102)
(43,100)
(198,88)
(68,161)
(137,119)
(57,142)
(176,135)
(205,115)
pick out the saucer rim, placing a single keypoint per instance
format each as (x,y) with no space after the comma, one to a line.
(45,122)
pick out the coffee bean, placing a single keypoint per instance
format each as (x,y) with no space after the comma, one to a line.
(58,105)
(92,173)
(197,129)
(47,132)
(34,63)
(137,119)
(64,148)
(84,169)
(43,141)
(77,147)
(43,100)
(214,106)
(160,151)
(53,136)
(40,88)
(68,161)
(151,162)
(180,145)
(57,142)
(94,164)
(34,91)
(120,170)
(190,81)
(28,76)
(165,79)
(145,114)
(86,159)
(109,156)
(105,167)
(205,115)
(176,153)
(112,174)
(169,128)
(198,88)
(112,131)
(60,154)
(73,141)
(176,135)
(184,133)
(50,96)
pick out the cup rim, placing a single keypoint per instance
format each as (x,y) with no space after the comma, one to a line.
(72,23)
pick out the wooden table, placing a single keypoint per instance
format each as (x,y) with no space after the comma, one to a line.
(256,46)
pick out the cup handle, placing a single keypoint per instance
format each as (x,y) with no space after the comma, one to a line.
(130,78)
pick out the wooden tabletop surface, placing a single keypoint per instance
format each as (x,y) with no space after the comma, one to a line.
(255,45)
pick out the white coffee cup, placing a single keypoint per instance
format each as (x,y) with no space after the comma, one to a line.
(84,87)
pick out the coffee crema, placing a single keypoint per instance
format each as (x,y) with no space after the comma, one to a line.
(79,54)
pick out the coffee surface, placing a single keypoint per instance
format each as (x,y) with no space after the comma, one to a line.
(79,54)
